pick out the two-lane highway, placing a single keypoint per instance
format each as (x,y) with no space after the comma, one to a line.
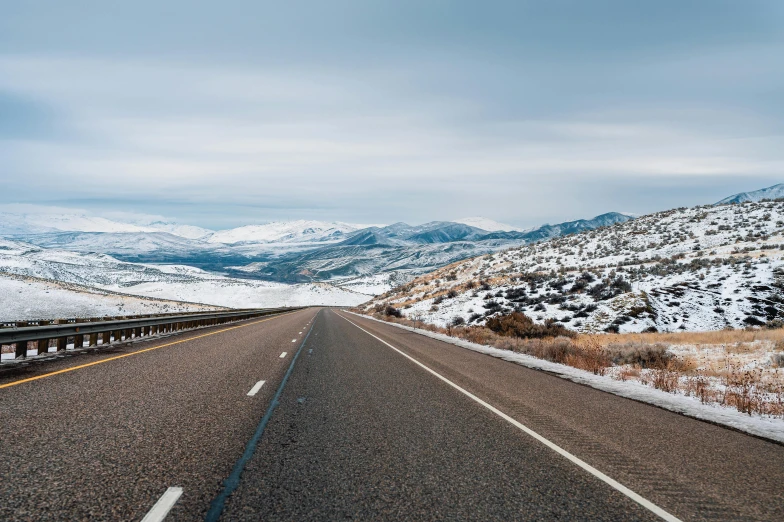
(371,422)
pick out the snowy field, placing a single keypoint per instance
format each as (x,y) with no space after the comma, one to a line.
(238,293)
(24,299)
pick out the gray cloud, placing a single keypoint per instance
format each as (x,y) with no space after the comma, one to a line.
(220,114)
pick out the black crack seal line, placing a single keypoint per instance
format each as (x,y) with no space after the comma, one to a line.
(233,481)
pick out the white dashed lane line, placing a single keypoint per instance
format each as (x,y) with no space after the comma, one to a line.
(164,505)
(256,387)
(283,355)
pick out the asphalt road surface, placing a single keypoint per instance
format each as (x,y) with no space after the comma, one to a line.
(354,420)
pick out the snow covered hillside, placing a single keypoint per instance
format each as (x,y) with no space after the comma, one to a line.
(27,298)
(171,282)
(698,268)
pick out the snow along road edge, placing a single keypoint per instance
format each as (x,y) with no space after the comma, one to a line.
(771,429)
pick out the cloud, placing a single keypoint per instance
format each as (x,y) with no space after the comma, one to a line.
(362,111)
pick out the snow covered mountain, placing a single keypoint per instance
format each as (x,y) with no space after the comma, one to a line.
(488,224)
(774,192)
(699,268)
(301,231)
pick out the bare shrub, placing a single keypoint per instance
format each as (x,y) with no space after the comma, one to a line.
(391,311)
(641,354)
(517,324)
(665,379)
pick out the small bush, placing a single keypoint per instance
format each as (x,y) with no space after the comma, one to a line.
(640,354)
(519,325)
(391,311)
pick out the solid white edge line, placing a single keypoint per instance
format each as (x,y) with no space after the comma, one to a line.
(164,505)
(256,387)
(650,506)
(283,355)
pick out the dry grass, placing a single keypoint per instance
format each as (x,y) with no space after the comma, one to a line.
(724,337)
(711,366)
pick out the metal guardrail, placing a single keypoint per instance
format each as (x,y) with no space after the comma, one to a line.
(42,322)
(58,335)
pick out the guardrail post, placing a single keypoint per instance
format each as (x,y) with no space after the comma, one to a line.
(42,344)
(106,337)
(93,340)
(20,350)
(62,344)
(78,338)
(137,332)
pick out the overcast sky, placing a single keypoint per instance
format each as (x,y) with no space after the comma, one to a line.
(226,113)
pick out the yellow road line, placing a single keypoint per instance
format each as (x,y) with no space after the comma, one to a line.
(66,370)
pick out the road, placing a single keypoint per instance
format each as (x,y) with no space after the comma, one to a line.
(357,420)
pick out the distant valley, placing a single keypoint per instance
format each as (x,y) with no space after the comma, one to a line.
(312,262)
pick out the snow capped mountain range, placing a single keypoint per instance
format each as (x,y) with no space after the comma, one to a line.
(774,192)
(290,252)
